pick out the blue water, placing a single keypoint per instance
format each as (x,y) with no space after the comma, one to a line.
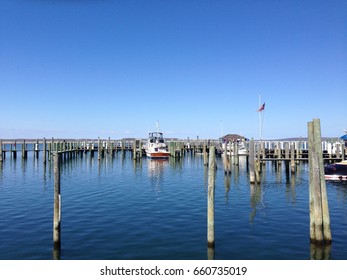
(121,209)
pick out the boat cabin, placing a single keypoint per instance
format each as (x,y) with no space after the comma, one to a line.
(156,137)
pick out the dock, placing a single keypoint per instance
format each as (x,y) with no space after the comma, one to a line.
(256,152)
(265,150)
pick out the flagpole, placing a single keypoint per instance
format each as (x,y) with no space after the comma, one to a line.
(260,121)
(260,110)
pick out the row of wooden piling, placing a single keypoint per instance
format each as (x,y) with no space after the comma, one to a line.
(320,231)
(281,151)
(319,211)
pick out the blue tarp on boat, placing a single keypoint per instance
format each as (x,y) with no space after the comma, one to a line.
(344,137)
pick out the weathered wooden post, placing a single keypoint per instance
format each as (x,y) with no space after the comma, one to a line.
(210,198)
(57,203)
(92,148)
(50,149)
(300,155)
(123,145)
(262,148)
(292,157)
(99,148)
(251,162)
(14,152)
(134,150)
(204,150)
(24,151)
(1,158)
(286,150)
(258,165)
(109,147)
(226,160)
(279,153)
(236,153)
(36,148)
(138,149)
(44,149)
(319,210)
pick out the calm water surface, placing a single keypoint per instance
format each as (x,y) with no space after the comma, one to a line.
(121,209)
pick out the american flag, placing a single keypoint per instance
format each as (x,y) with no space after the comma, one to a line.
(261,108)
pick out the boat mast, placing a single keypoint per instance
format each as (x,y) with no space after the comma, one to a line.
(158,130)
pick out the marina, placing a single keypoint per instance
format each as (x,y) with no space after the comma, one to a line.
(268,150)
(114,203)
(231,173)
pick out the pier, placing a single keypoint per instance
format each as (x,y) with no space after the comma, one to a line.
(257,153)
(265,150)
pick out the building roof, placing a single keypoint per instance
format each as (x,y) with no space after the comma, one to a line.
(233,137)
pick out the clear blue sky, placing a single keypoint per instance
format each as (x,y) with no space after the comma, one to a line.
(112,68)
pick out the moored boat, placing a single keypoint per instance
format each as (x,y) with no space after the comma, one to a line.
(240,146)
(336,171)
(155,147)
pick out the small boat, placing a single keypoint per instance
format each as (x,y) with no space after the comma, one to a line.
(336,171)
(155,147)
(241,146)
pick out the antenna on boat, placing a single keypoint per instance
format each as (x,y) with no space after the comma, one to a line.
(157,124)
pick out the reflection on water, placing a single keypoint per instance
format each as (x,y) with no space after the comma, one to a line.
(320,252)
(156,169)
(227,182)
(340,187)
(256,199)
(112,211)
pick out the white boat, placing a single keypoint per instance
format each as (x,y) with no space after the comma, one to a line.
(241,147)
(336,171)
(155,147)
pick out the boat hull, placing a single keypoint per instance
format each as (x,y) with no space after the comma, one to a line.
(158,155)
(335,177)
(336,171)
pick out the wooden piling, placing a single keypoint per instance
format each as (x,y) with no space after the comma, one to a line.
(108,148)
(36,148)
(319,210)
(251,162)
(258,165)
(1,157)
(286,150)
(325,206)
(50,146)
(44,149)
(57,202)
(204,149)
(123,145)
(134,150)
(292,158)
(99,148)
(236,153)
(257,170)
(262,151)
(279,153)
(226,160)
(24,151)
(210,198)
(14,152)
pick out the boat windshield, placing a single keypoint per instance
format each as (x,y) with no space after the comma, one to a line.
(156,135)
